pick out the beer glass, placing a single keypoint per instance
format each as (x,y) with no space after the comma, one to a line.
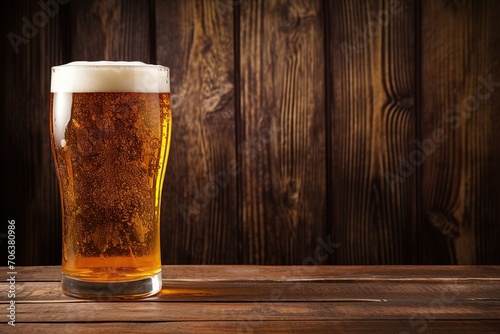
(110,125)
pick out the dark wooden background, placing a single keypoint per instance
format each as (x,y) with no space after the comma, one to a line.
(339,132)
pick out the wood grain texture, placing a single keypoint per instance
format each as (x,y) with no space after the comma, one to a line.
(259,326)
(366,291)
(262,311)
(195,39)
(110,30)
(337,284)
(245,298)
(460,121)
(29,182)
(321,274)
(297,124)
(282,148)
(372,82)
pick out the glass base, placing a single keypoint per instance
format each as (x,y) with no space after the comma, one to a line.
(111,290)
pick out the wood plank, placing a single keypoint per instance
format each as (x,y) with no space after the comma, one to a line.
(372,84)
(199,220)
(259,326)
(419,292)
(262,311)
(282,131)
(29,180)
(249,273)
(460,121)
(344,297)
(110,30)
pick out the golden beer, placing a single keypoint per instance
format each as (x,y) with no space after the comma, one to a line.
(110,134)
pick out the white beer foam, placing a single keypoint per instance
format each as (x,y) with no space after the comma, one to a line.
(110,76)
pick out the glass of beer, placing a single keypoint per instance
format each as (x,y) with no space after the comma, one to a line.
(110,125)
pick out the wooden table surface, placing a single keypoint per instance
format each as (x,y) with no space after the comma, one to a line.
(282,299)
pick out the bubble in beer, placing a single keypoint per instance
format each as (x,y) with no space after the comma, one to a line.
(154,143)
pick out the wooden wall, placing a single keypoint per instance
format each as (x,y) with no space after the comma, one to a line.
(305,131)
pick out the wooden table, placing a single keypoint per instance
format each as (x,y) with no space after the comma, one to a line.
(282,299)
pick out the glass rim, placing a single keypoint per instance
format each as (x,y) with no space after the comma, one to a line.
(107,76)
(104,65)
